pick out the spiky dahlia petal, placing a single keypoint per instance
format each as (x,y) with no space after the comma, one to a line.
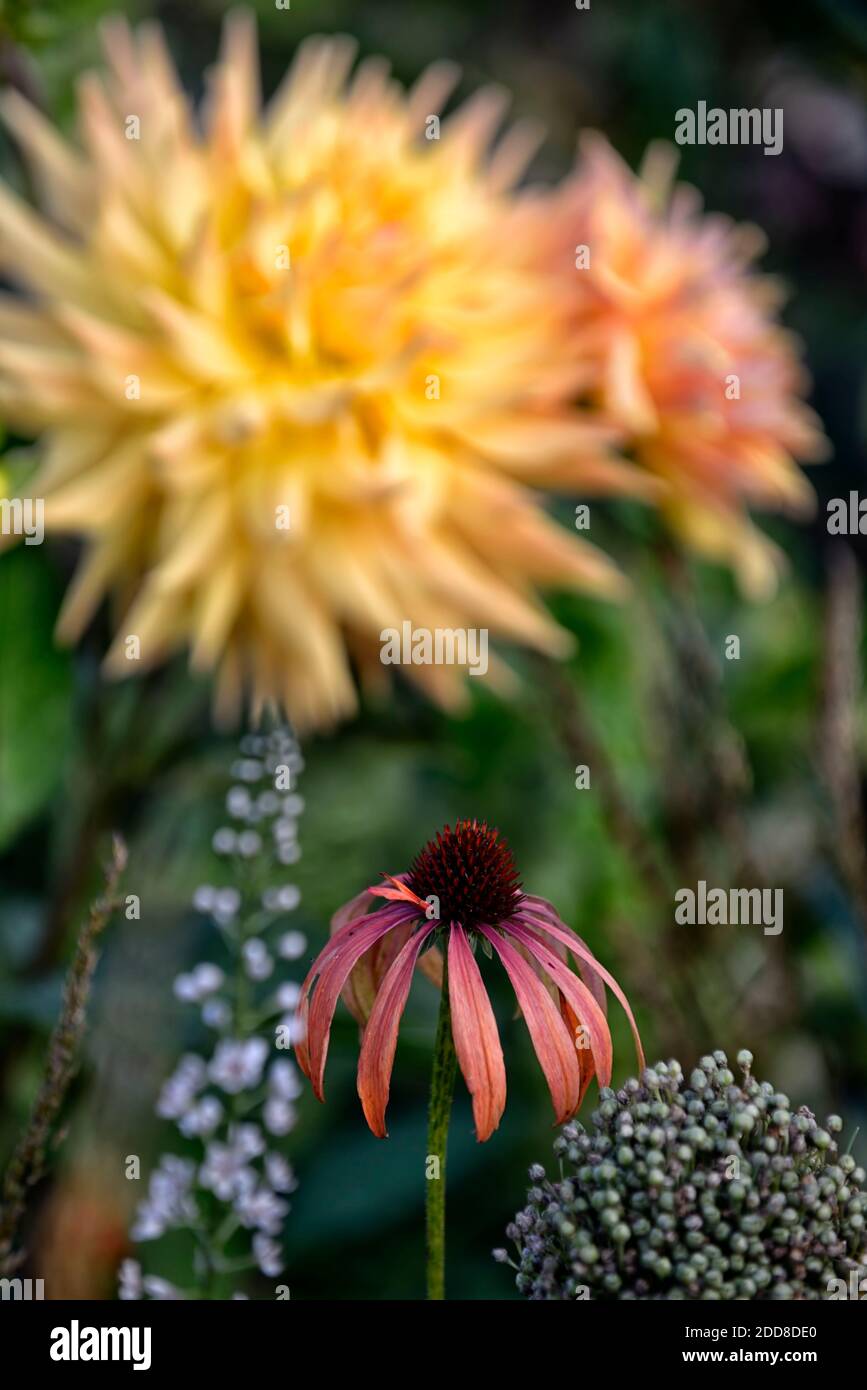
(687,354)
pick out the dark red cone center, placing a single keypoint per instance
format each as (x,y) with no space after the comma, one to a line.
(470,870)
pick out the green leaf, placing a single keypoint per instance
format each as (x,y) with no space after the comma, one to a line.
(35,690)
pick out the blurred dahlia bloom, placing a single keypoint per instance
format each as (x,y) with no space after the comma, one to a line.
(295,371)
(688,356)
(467,877)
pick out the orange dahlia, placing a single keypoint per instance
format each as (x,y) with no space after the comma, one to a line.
(462,891)
(688,355)
(294,371)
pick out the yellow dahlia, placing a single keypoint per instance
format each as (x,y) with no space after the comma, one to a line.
(294,371)
(688,356)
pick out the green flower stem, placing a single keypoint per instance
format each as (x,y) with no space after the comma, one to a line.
(441,1091)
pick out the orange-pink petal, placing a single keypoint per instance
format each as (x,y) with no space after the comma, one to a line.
(332,966)
(380,1036)
(577,993)
(550,1035)
(477,1041)
(582,953)
(400,892)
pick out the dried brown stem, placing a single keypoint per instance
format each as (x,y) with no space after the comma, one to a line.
(574,726)
(27,1163)
(838,757)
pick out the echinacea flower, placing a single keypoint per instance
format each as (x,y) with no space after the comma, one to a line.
(466,876)
(688,356)
(295,371)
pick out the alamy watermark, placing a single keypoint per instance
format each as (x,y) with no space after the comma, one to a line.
(441,646)
(847,516)
(23,516)
(23,1290)
(77,1343)
(856,1290)
(752,907)
(738,126)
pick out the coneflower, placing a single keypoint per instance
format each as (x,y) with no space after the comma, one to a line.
(461,890)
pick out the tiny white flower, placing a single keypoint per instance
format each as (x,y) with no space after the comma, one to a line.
(279,1173)
(292,945)
(247,1140)
(203,898)
(285,831)
(160,1289)
(248,769)
(202,1119)
(208,978)
(238,802)
(179,1091)
(288,995)
(279,1116)
(288,853)
(186,989)
(225,1173)
(146,1225)
(228,901)
(193,1069)
(237,1066)
(262,1209)
(169,1200)
(216,1013)
(249,843)
(268,1255)
(284,1080)
(224,840)
(258,962)
(129,1280)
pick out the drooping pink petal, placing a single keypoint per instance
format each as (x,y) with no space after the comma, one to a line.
(477,1041)
(591,977)
(359,991)
(550,1035)
(552,924)
(576,1031)
(577,993)
(332,966)
(380,1036)
(302,1051)
(391,913)
(364,980)
(351,911)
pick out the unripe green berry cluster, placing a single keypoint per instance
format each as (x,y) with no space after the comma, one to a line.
(698,1188)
